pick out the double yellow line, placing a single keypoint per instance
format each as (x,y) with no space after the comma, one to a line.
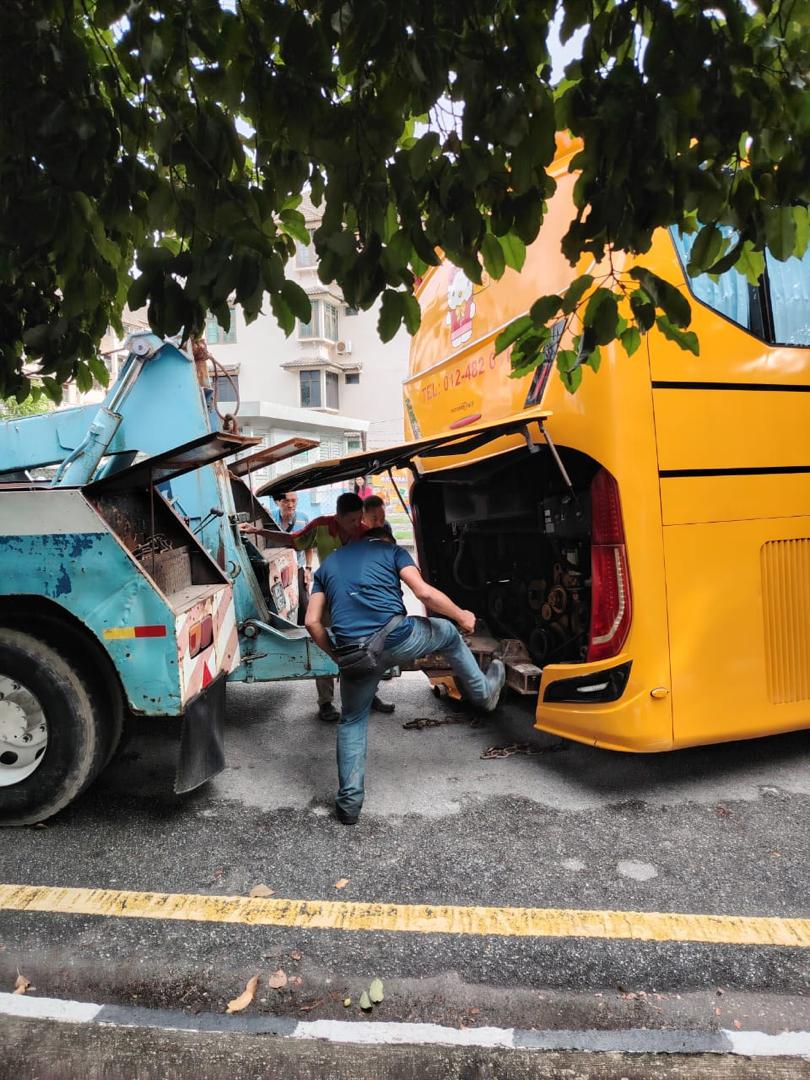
(410,918)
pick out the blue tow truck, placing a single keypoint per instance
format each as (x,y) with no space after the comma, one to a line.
(125,583)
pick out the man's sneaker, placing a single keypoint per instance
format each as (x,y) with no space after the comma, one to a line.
(345,818)
(496,677)
(378,705)
(328,713)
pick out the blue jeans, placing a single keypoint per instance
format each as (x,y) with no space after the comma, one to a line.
(356,695)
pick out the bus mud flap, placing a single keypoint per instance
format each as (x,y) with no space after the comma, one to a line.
(202,742)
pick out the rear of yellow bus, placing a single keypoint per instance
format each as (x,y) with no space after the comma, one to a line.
(638,599)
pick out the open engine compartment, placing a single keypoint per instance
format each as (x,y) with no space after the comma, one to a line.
(507,539)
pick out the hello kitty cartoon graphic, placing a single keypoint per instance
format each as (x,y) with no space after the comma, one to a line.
(461,308)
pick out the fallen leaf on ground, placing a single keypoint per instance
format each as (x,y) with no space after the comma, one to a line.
(278,980)
(375,991)
(260,890)
(295,955)
(245,997)
(347,1002)
(365,1002)
(296,981)
(21,984)
(344,881)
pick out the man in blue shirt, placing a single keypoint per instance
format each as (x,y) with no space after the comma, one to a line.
(360,583)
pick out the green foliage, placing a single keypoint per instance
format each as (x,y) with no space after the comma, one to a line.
(177,137)
(32,405)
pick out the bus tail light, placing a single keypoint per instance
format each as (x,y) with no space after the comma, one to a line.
(611,605)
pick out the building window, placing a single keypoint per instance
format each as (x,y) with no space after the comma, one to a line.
(310,383)
(352,378)
(312,328)
(305,255)
(322,324)
(349,311)
(354,441)
(332,393)
(215,335)
(330,322)
(226,387)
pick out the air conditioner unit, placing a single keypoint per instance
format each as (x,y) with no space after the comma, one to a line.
(343,348)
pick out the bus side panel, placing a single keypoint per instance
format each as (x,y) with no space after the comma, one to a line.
(726,665)
(722,429)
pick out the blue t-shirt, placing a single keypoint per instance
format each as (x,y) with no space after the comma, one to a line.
(361,584)
(298,522)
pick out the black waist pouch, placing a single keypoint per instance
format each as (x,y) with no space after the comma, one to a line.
(363,657)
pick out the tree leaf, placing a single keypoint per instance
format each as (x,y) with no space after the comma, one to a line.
(494,259)
(602,316)
(412,313)
(297,300)
(643,309)
(705,250)
(575,291)
(259,891)
(512,332)
(780,231)
(278,980)
(245,998)
(571,379)
(630,339)
(365,1002)
(664,295)
(375,991)
(544,309)
(514,251)
(751,263)
(685,338)
(392,311)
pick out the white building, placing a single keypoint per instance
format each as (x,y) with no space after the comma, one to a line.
(331,380)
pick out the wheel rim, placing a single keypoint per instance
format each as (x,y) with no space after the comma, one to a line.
(23,732)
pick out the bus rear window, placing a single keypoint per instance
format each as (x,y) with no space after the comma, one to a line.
(776,310)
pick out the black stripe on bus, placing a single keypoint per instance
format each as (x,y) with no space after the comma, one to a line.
(794,388)
(766,470)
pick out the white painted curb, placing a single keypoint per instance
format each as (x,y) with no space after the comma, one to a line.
(387,1033)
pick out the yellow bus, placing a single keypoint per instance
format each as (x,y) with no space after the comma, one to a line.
(639,552)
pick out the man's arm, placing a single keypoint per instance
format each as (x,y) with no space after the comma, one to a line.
(303,540)
(435,600)
(314,623)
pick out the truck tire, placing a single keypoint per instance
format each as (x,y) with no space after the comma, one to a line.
(52,744)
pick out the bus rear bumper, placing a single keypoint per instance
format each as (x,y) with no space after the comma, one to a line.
(604,704)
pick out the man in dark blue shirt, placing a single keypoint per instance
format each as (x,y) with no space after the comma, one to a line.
(360,583)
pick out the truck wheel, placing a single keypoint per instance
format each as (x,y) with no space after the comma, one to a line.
(51,745)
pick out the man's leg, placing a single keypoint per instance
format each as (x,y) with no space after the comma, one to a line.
(440,635)
(325,686)
(352,742)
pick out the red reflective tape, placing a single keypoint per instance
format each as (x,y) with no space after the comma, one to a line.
(150,631)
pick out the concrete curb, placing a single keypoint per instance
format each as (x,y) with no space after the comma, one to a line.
(787,1044)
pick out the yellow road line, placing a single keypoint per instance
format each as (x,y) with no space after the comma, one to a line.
(410,918)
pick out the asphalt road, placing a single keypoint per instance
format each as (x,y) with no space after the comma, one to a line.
(720,830)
